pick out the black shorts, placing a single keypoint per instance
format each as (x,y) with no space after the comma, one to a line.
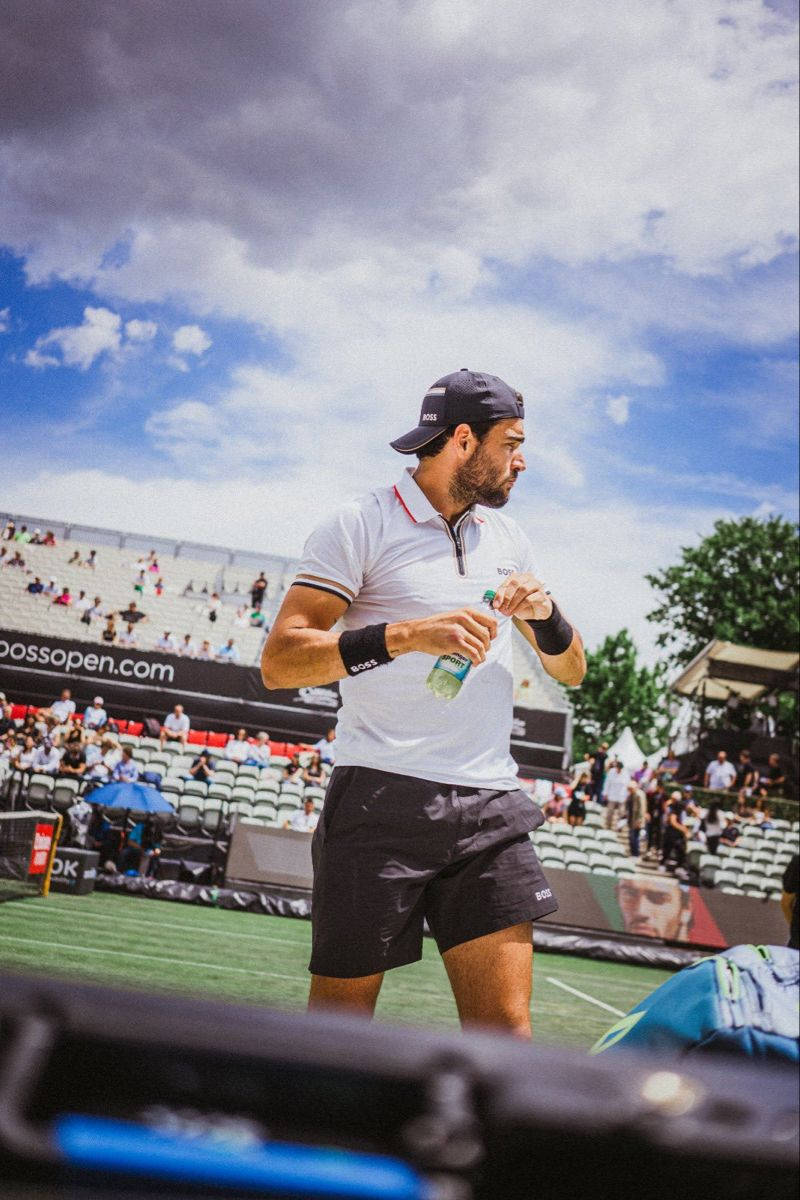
(391,851)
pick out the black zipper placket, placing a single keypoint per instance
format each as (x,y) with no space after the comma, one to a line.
(454,533)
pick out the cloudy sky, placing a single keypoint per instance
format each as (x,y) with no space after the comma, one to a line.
(239,238)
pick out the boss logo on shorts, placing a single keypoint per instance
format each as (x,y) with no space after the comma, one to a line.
(544,894)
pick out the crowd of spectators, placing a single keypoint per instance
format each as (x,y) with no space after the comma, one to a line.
(119,626)
(659,814)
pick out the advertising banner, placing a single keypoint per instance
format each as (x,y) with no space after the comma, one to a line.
(139,683)
(658,906)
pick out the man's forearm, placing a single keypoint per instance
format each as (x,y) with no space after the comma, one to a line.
(311,658)
(568,668)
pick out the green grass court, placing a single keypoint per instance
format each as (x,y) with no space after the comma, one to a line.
(255,959)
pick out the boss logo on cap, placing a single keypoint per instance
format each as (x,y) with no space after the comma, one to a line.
(430,417)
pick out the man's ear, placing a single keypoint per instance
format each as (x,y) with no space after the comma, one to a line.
(462,435)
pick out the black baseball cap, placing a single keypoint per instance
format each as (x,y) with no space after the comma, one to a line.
(463,396)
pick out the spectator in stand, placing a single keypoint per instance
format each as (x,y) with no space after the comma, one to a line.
(789,903)
(668,768)
(238,747)
(599,771)
(7,722)
(746,774)
(79,817)
(293,770)
(229,652)
(49,538)
(139,583)
(101,759)
(128,637)
(205,653)
(35,588)
(64,598)
(82,603)
(259,752)
(241,620)
(202,769)
(158,586)
(91,561)
(75,560)
(258,590)
(131,615)
(187,648)
(23,536)
(257,620)
(51,589)
(615,792)
(9,531)
(556,807)
(636,814)
(176,726)
(3,556)
(327,747)
(304,820)
(213,607)
(313,773)
(109,633)
(16,560)
(774,779)
(720,774)
(25,754)
(63,709)
(676,833)
(126,770)
(576,810)
(711,827)
(153,567)
(731,833)
(46,758)
(95,716)
(167,642)
(93,611)
(73,760)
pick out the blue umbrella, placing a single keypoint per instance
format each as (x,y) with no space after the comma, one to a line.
(136,796)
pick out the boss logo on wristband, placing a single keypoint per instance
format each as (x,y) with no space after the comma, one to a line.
(365,666)
(364,649)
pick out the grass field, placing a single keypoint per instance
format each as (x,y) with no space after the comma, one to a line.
(252,958)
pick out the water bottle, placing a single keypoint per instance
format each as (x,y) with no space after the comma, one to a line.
(450,670)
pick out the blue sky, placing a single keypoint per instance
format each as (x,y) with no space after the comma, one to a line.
(233,256)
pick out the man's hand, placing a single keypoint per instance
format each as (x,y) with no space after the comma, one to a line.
(467,631)
(522,595)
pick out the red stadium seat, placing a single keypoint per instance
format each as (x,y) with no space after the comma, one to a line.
(277,747)
(18,712)
(135,728)
(217,739)
(122,726)
(197,737)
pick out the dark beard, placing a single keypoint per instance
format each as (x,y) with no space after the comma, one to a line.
(474,483)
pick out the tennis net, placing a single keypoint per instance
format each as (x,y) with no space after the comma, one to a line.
(28,842)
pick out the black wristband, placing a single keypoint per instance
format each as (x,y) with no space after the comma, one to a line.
(364,649)
(554,634)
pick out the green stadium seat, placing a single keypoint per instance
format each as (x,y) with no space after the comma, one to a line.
(580,868)
(731,890)
(243,794)
(264,811)
(724,878)
(279,760)
(189,813)
(549,861)
(172,789)
(212,817)
(64,793)
(604,871)
(219,791)
(240,809)
(284,812)
(192,787)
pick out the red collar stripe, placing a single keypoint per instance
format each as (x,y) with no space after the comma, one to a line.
(405,506)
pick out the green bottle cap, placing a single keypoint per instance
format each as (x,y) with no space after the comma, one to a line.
(489,595)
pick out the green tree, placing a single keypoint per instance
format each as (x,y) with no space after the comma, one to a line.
(616,692)
(740,584)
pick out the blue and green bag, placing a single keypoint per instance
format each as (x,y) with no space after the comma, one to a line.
(742,1001)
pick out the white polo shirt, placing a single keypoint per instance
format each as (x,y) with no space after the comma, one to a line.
(393,557)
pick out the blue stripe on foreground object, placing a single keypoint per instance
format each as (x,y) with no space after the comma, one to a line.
(101,1144)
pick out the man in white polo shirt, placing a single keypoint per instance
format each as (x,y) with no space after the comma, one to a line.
(423,814)
(176,726)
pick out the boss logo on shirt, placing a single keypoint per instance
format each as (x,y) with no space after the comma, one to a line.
(505,570)
(363,666)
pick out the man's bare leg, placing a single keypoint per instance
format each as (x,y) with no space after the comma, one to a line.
(351,995)
(491,978)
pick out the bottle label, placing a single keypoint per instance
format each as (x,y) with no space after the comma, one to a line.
(454,664)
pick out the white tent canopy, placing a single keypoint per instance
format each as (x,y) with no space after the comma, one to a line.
(627,750)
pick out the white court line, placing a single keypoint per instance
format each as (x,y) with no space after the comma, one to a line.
(155,924)
(584,996)
(154,958)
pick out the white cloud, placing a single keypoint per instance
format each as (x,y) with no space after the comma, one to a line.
(140,331)
(5,319)
(190,339)
(78,345)
(618,408)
